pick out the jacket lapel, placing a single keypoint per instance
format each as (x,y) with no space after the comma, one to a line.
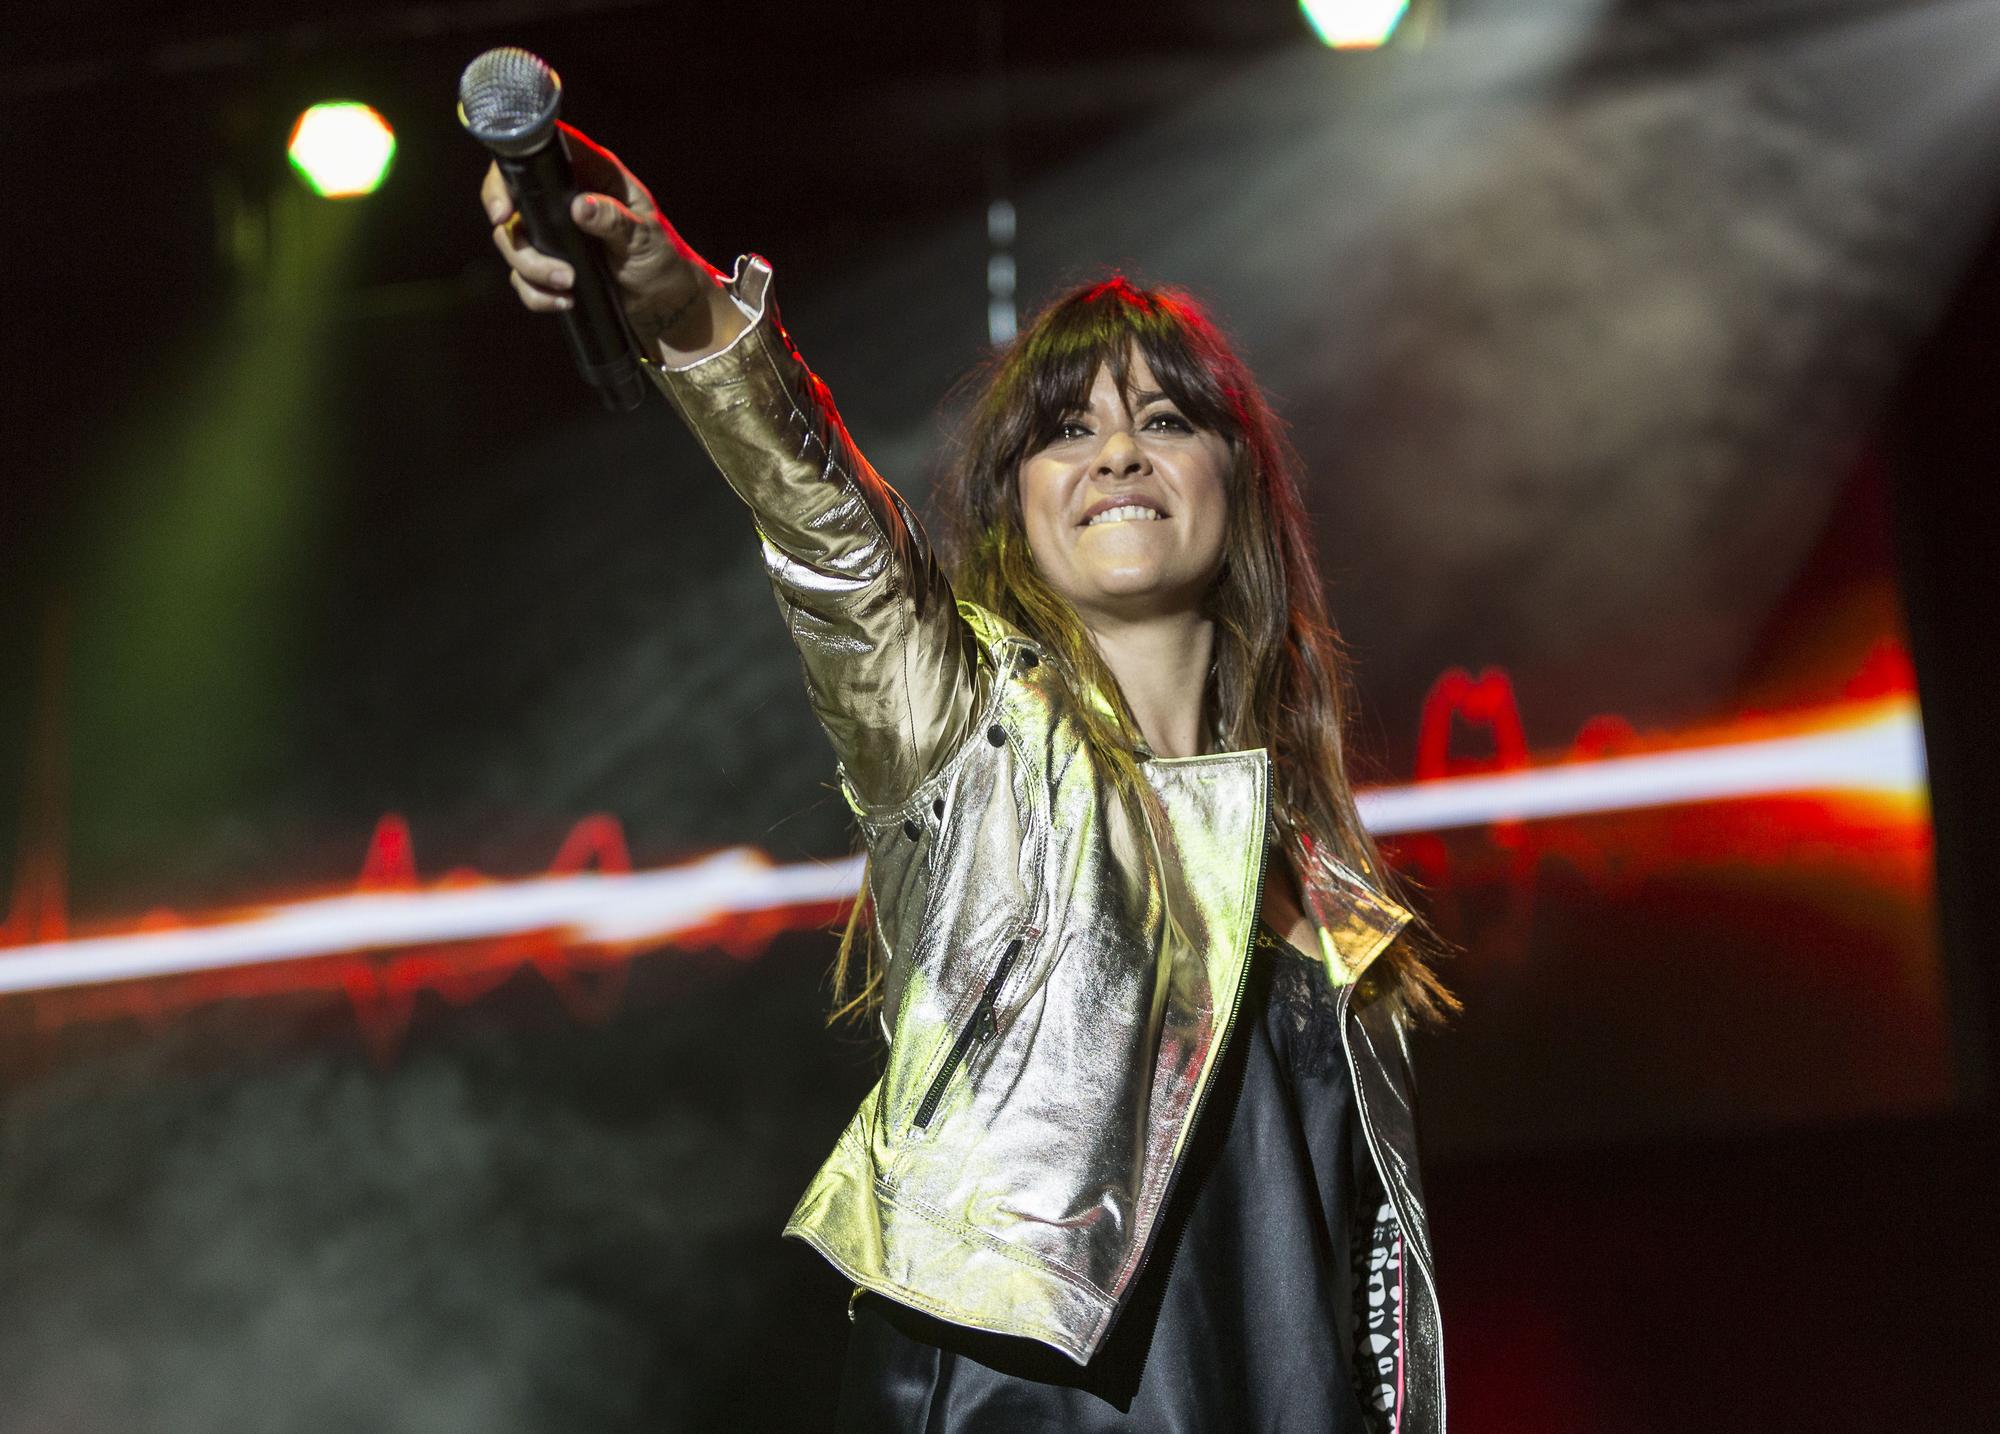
(1356,922)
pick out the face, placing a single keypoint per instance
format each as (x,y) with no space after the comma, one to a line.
(1126,509)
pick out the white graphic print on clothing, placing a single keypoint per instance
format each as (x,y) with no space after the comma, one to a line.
(1378,1313)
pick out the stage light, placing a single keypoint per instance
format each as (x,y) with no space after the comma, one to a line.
(342,149)
(1354,24)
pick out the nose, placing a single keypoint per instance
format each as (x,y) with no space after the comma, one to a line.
(1119,455)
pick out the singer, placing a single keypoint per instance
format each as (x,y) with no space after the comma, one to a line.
(1142,1156)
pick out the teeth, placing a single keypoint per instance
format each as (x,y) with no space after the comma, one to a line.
(1125,514)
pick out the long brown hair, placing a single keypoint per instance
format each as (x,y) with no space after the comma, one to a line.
(1279,679)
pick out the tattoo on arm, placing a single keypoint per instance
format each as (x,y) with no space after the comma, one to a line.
(667,324)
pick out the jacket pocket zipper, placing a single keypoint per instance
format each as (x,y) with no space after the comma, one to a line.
(978,1027)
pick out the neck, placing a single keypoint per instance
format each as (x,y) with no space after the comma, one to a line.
(1161,664)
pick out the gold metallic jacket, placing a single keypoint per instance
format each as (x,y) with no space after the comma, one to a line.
(1059,984)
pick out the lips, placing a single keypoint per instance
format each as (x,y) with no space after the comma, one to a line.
(1123,500)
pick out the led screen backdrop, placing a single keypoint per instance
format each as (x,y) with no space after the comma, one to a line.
(373,604)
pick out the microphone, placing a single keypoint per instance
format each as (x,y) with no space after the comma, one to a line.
(507,100)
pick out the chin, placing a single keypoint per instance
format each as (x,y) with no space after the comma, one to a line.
(1128,583)
(1130,596)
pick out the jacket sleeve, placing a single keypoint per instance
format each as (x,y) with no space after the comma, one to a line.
(891,668)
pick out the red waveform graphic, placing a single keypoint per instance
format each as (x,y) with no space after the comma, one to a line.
(1762,792)
(1867,813)
(586,968)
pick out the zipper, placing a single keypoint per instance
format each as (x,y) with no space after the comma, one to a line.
(980,1026)
(1228,1031)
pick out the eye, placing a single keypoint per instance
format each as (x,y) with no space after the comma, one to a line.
(1169,421)
(1071,428)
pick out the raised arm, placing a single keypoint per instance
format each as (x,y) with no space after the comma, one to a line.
(891,668)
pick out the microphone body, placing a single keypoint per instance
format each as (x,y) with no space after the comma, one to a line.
(507,101)
(543,186)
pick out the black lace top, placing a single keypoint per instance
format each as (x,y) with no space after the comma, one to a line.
(1245,1319)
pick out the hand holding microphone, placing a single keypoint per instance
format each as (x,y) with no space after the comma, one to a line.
(583,237)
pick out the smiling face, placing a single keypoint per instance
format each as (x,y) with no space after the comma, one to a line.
(1126,507)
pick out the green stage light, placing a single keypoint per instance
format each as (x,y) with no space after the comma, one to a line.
(342,149)
(1354,24)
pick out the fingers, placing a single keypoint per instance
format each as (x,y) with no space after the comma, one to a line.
(493,196)
(540,301)
(635,244)
(539,280)
(529,263)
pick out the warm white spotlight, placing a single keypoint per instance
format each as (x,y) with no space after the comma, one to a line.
(342,149)
(1354,24)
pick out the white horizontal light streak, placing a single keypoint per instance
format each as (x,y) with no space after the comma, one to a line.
(587,907)
(1885,755)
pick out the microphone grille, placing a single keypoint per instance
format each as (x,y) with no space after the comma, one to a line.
(507,100)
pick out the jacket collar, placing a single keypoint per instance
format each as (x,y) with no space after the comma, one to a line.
(1355,920)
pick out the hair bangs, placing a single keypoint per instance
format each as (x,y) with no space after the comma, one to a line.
(1104,327)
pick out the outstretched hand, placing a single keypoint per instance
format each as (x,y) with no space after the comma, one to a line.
(672,297)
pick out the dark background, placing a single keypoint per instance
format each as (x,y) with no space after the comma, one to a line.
(1624,343)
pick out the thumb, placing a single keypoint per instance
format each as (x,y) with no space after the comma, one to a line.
(625,235)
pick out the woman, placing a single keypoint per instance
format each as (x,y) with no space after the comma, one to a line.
(1136,1160)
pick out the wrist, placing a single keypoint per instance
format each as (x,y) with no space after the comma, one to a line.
(696,325)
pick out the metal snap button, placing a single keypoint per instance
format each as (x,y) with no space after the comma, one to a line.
(996,736)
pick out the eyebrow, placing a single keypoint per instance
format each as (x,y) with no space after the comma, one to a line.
(1136,401)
